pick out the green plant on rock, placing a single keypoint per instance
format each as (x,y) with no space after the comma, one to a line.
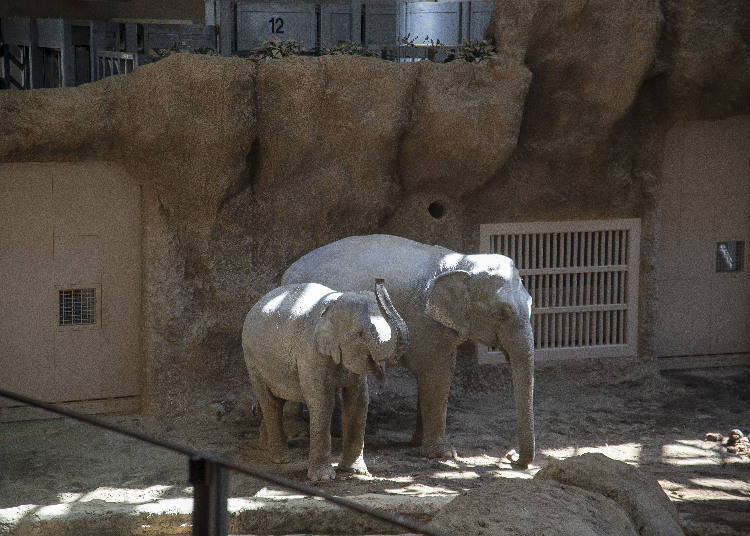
(208,51)
(180,48)
(472,50)
(408,40)
(279,49)
(347,48)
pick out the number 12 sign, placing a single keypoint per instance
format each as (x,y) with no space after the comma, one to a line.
(277,25)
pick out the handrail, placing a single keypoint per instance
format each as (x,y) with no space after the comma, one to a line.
(115,55)
(268,476)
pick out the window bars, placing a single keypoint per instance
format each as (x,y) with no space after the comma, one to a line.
(77,306)
(583,280)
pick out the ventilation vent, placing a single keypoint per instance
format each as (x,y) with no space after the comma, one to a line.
(77,306)
(583,280)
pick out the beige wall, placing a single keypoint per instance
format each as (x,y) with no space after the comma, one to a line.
(705,200)
(69,225)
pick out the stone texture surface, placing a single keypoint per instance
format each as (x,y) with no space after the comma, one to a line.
(638,494)
(511,507)
(244,165)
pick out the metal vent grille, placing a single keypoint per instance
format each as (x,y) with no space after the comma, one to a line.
(583,280)
(77,306)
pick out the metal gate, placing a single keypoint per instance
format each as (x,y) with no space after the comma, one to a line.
(583,280)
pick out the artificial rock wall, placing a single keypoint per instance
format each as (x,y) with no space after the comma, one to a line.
(246,165)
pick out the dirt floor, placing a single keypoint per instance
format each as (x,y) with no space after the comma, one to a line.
(658,423)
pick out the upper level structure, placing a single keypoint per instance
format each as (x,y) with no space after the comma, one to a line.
(70,50)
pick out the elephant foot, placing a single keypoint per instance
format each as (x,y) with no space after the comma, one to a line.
(516,461)
(321,472)
(436,449)
(277,456)
(356,467)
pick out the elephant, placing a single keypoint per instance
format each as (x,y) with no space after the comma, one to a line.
(446,298)
(302,342)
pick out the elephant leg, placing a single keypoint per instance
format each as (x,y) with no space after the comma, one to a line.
(416,438)
(294,421)
(320,408)
(354,416)
(272,439)
(434,386)
(336,429)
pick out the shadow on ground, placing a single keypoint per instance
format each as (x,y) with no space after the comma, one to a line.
(657,423)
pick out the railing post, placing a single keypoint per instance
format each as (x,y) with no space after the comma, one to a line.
(210,481)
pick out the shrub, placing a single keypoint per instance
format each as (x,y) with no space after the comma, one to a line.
(279,49)
(472,50)
(347,48)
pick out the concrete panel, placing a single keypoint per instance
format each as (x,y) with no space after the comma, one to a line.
(262,22)
(50,33)
(16,31)
(704,200)
(335,24)
(97,243)
(479,18)
(166,35)
(27,322)
(381,23)
(436,20)
(684,325)
(730,313)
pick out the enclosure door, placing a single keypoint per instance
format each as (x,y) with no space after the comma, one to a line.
(70,268)
(703,283)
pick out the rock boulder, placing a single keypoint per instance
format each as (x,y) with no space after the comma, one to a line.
(638,494)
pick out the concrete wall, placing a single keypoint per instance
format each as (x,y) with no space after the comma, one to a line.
(705,200)
(67,226)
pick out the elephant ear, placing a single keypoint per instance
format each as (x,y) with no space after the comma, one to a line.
(324,335)
(448,301)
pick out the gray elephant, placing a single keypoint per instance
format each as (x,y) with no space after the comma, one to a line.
(446,298)
(304,341)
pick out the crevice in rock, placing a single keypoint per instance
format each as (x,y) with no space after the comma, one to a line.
(410,103)
(248,177)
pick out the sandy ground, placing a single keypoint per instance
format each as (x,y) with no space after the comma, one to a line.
(658,423)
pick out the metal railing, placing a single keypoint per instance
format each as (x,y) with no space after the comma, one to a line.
(414,53)
(210,477)
(110,63)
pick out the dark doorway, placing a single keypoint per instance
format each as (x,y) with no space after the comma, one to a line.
(81,38)
(50,67)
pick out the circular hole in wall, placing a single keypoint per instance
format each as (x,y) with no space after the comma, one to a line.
(436,209)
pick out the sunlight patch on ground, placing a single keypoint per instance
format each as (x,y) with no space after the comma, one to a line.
(421,490)
(270,493)
(455,475)
(512,473)
(689,452)
(625,452)
(707,489)
(479,461)
(125,495)
(69,497)
(398,479)
(723,483)
(11,516)
(166,506)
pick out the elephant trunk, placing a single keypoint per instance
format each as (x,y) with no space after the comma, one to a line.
(521,357)
(391,314)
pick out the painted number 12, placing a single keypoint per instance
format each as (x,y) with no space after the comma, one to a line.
(277,25)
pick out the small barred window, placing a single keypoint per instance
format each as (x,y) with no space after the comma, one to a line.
(729,256)
(77,306)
